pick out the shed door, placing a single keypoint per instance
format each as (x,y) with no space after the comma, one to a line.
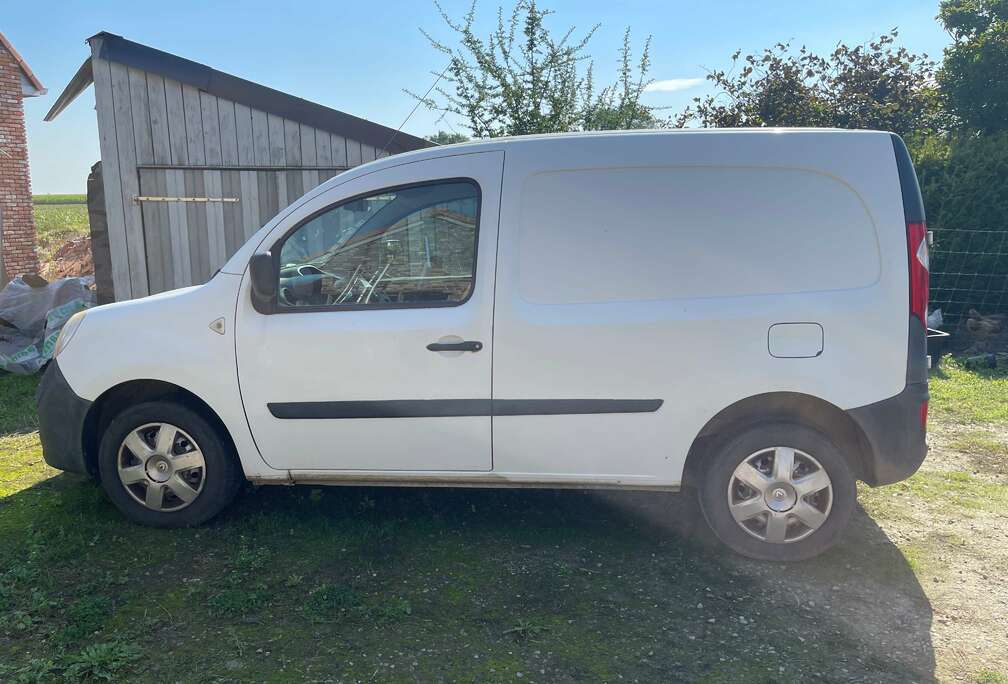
(195,219)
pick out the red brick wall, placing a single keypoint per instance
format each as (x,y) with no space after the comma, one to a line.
(18,223)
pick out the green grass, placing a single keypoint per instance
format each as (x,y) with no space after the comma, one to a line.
(17,403)
(980,441)
(57,222)
(363,584)
(955,491)
(973,396)
(59,199)
(59,219)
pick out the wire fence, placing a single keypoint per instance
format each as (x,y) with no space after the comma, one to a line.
(969,272)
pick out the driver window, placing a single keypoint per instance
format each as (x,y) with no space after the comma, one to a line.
(406,246)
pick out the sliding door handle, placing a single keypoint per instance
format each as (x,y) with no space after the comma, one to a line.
(468,345)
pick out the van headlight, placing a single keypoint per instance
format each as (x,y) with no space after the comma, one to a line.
(67,333)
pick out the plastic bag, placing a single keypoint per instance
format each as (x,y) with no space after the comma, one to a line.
(32,315)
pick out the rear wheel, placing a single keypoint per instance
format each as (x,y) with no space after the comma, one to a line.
(778,491)
(164,465)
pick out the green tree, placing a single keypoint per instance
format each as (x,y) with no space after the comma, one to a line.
(447,138)
(524,79)
(974,73)
(964,181)
(871,86)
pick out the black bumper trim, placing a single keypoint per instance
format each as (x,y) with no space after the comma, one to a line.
(61,422)
(896,439)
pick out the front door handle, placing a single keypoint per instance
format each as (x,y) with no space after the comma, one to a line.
(467,345)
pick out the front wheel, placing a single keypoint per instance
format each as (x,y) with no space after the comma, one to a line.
(164,465)
(778,491)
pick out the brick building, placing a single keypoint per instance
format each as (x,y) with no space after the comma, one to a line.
(17,224)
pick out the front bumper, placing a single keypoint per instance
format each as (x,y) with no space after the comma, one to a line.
(61,422)
(895,434)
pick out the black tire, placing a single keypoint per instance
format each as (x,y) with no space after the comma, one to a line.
(221,477)
(731,451)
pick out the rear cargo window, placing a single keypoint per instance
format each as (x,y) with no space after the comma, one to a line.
(664,233)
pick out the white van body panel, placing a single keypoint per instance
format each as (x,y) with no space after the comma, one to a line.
(651,301)
(167,337)
(691,247)
(376,354)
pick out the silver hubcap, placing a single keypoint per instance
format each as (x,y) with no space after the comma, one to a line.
(161,467)
(780,495)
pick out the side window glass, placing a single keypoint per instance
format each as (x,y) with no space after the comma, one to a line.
(400,247)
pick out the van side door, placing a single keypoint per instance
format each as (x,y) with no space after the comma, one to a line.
(378,355)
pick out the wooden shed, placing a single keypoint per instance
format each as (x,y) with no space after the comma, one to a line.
(194,161)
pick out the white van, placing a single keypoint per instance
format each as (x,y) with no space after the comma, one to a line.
(739,311)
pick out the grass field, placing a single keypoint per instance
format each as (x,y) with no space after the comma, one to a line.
(300,584)
(58,218)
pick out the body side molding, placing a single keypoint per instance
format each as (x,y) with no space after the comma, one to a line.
(439,408)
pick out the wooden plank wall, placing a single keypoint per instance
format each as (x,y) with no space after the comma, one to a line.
(153,131)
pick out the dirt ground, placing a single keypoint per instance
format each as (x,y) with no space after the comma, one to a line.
(952,611)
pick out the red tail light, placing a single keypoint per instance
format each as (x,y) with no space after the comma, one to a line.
(917,249)
(923,413)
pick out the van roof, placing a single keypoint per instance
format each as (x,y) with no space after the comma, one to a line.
(505,142)
(508,141)
(658,131)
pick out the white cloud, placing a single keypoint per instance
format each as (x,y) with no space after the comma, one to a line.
(671,85)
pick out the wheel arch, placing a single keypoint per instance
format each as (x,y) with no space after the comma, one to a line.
(805,409)
(113,400)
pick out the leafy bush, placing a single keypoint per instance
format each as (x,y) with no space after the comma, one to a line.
(524,78)
(964,181)
(878,85)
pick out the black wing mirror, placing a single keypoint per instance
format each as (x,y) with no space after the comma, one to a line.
(265,277)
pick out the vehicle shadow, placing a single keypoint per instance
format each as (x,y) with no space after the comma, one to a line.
(862,597)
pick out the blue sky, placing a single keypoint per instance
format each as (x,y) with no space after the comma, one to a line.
(357,57)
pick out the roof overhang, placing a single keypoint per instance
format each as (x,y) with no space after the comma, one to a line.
(77,85)
(30,85)
(115,48)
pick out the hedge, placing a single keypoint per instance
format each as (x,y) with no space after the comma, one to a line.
(964,181)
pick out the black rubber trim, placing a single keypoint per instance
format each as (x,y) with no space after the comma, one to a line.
(913,203)
(61,422)
(893,430)
(440,408)
(117,49)
(557,407)
(917,354)
(896,439)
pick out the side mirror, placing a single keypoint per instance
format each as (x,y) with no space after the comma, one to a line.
(265,276)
